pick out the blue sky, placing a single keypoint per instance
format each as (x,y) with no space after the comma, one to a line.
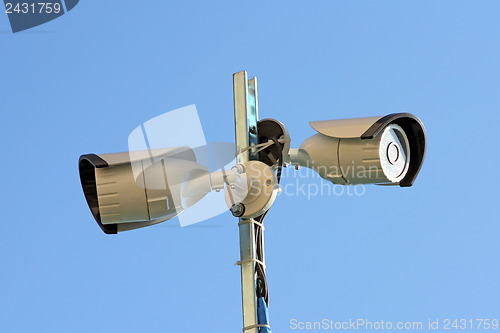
(83,82)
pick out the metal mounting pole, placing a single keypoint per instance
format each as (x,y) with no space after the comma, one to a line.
(245,120)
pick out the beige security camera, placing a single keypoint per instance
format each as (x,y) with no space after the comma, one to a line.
(132,190)
(127,191)
(373,150)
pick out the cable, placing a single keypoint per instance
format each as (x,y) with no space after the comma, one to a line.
(261,284)
(263,316)
(280,157)
(262,146)
(261,287)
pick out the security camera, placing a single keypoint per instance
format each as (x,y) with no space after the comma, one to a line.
(372,150)
(136,189)
(131,190)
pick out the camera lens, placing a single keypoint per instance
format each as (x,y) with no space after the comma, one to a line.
(394,152)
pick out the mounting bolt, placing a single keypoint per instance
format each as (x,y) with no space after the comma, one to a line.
(253,130)
(238,210)
(239,169)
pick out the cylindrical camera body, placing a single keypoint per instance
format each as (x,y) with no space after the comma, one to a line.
(371,150)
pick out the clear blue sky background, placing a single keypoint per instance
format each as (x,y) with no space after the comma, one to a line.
(81,83)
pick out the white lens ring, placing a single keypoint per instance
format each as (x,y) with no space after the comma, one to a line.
(394,152)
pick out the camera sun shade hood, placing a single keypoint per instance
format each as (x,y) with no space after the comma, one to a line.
(87,165)
(370,127)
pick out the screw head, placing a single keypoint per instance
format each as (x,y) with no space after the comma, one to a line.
(238,209)
(239,168)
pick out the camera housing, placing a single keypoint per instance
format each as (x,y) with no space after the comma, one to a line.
(387,150)
(130,190)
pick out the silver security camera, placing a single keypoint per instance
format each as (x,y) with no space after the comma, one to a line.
(373,150)
(137,189)
(130,190)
